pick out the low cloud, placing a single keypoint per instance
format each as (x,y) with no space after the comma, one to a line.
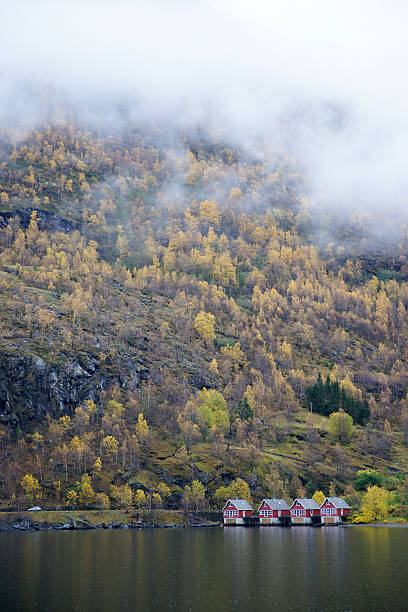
(322,80)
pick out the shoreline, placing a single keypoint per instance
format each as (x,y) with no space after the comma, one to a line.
(71,520)
(375,524)
(77,520)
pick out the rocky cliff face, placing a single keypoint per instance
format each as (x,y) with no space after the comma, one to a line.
(30,388)
(46,220)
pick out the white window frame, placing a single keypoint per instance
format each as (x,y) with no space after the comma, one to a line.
(299,511)
(329,511)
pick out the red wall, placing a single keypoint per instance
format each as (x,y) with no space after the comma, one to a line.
(309,512)
(241,513)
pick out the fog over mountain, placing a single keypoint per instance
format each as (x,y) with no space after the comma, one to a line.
(324,81)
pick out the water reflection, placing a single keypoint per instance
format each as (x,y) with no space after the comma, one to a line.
(330,569)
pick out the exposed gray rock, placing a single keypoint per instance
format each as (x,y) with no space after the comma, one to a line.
(82,524)
(30,389)
(22,526)
(46,220)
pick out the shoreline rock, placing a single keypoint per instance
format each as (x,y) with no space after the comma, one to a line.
(82,525)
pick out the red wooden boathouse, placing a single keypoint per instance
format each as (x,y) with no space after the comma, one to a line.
(333,509)
(274,512)
(305,511)
(236,511)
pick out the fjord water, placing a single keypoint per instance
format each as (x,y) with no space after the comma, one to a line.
(327,569)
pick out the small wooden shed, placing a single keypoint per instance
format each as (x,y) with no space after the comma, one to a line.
(304,511)
(236,511)
(333,509)
(274,512)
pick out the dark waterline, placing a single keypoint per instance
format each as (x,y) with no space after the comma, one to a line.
(330,569)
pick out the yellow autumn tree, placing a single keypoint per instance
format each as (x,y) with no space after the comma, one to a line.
(102,501)
(97,466)
(140,498)
(123,496)
(214,366)
(157,500)
(223,270)
(110,445)
(142,428)
(4,197)
(319,497)
(350,388)
(197,494)
(164,490)
(190,431)
(341,426)
(71,498)
(204,324)
(374,506)
(209,212)
(238,489)
(31,487)
(86,492)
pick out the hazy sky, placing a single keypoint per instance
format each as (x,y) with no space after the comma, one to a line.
(334,71)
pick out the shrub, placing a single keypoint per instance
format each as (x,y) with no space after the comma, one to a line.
(341,426)
(366,478)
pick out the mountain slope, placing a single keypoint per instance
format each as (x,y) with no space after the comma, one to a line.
(140,270)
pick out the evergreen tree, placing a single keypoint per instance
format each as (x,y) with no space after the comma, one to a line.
(329,397)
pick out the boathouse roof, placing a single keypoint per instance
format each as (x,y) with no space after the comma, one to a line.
(308,504)
(338,502)
(239,504)
(275,504)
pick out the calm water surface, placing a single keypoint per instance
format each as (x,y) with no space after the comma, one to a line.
(341,569)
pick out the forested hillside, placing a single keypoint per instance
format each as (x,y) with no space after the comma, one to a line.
(176,313)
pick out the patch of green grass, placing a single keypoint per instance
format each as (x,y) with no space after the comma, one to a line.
(95,517)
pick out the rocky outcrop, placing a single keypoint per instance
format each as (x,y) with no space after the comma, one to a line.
(30,388)
(46,220)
